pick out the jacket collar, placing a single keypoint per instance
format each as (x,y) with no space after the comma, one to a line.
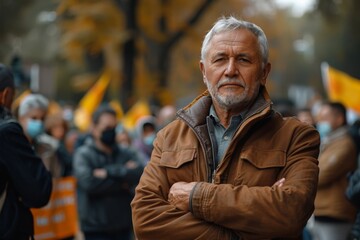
(5,113)
(196,112)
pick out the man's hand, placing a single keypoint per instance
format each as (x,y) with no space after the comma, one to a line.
(131,164)
(179,195)
(100,173)
(279,183)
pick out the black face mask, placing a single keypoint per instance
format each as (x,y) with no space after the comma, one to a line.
(108,137)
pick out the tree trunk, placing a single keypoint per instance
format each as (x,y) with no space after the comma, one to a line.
(129,53)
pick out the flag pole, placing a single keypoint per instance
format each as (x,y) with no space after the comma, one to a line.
(325,75)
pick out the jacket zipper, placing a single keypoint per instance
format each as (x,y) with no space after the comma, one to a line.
(209,169)
(245,119)
(215,164)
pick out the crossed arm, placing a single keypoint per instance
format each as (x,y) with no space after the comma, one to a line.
(161,207)
(180,192)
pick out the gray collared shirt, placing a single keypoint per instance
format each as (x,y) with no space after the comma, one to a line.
(219,135)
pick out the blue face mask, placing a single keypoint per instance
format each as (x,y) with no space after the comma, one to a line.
(148,140)
(324,128)
(34,128)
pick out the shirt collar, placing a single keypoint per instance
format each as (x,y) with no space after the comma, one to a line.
(215,117)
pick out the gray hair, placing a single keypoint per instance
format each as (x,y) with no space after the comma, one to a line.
(33,101)
(230,23)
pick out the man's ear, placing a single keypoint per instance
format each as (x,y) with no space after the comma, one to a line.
(7,97)
(265,73)
(202,69)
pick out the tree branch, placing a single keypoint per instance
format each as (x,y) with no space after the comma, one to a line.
(192,21)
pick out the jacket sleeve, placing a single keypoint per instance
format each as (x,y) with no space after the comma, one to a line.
(83,171)
(340,161)
(353,189)
(28,175)
(155,218)
(262,212)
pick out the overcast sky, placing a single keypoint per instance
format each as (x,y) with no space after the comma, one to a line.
(298,7)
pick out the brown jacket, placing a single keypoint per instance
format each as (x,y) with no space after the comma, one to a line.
(238,200)
(336,160)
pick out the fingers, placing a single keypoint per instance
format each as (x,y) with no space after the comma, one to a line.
(280,183)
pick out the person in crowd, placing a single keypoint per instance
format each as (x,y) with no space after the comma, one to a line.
(57,127)
(144,136)
(123,136)
(354,131)
(107,175)
(32,113)
(229,166)
(70,140)
(24,181)
(334,214)
(305,115)
(353,194)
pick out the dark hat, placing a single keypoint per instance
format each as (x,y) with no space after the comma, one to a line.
(6,77)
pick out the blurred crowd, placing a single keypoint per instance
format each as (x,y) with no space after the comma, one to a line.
(337,201)
(56,138)
(108,161)
(98,154)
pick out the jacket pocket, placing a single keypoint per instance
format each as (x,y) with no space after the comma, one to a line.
(179,164)
(260,167)
(263,159)
(176,159)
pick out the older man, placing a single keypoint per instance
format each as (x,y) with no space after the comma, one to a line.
(229,167)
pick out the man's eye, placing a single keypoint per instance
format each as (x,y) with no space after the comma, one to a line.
(218,59)
(243,60)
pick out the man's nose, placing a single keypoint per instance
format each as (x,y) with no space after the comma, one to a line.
(231,68)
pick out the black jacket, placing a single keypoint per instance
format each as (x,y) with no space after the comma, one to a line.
(28,183)
(353,194)
(104,204)
(353,189)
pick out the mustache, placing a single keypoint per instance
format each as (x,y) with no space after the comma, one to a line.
(230,81)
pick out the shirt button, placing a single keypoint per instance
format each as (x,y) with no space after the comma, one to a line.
(226,138)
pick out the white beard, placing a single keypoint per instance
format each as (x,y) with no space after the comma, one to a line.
(225,100)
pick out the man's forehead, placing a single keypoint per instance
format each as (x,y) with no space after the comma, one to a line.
(234,39)
(234,36)
(106,118)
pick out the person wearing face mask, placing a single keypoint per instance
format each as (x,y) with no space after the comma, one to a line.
(31,114)
(24,181)
(106,175)
(334,214)
(146,133)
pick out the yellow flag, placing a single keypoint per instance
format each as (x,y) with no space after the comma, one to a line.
(341,87)
(17,101)
(115,104)
(90,102)
(140,109)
